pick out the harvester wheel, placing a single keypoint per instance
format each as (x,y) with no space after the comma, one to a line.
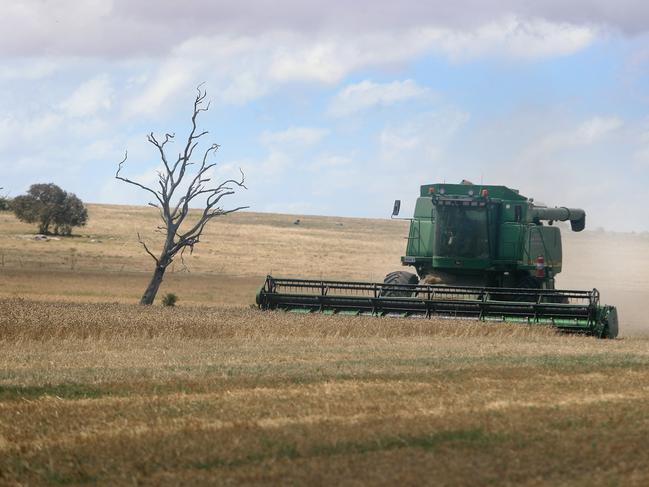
(610,319)
(527,282)
(399,278)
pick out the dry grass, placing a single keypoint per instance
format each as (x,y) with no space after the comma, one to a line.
(117,393)
(240,244)
(94,389)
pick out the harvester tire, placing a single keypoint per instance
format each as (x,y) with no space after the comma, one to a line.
(611,322)
(526,282)
(400,278)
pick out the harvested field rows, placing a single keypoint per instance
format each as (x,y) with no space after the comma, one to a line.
(121,394)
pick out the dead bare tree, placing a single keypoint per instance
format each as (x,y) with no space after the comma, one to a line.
(179,184)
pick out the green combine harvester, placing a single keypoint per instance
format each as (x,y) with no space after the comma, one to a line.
(478,251)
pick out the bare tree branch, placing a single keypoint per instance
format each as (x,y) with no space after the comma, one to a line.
(135,183)
(174,210)
(143,243)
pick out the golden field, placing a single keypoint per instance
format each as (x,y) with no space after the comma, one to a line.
(95,389)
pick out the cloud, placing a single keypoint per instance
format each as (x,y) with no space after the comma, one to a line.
(288,150)
(31,69)
(22,131)
(74,28)
(331,161)
(235,69)
(242,68)
(91,97)
(151,98)
(295,136)
(595,128)
(641,157)
(587,132)
(367,94)
(516,37)
(420,140)
(319,61)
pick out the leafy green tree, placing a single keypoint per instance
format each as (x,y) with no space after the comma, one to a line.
(72,214)
(51,208)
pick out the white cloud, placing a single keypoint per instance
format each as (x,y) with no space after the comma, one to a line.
(641,157)
(588,132)
(260,172)
(319,61)
(420,140)
(331,161)
(99,150)
(367,94)
(300,136)
(288,150)
(396,141)
(151,98)
(235,70)
(595,128)
(275,164)
(241,68)
(27,131)
(73,28)
(91,97)
(515,37)
(32,69)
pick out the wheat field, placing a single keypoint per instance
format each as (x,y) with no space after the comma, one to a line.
(95,389)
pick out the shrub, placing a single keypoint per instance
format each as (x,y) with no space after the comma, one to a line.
(169,299)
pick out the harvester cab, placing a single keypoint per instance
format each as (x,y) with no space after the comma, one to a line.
(478,251)
(486,236)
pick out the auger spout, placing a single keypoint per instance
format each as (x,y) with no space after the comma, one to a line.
(576,216)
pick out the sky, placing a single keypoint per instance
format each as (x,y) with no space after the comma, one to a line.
(334,108)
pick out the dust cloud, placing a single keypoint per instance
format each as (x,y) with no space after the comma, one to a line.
(618,266)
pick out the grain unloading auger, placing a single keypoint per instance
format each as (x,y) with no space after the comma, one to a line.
(483,252)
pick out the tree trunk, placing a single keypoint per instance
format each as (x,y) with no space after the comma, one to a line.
(154,285)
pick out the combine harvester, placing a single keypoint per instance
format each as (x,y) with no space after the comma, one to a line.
(479,251)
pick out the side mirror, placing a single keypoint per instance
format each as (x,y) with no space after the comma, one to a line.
(396,208)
